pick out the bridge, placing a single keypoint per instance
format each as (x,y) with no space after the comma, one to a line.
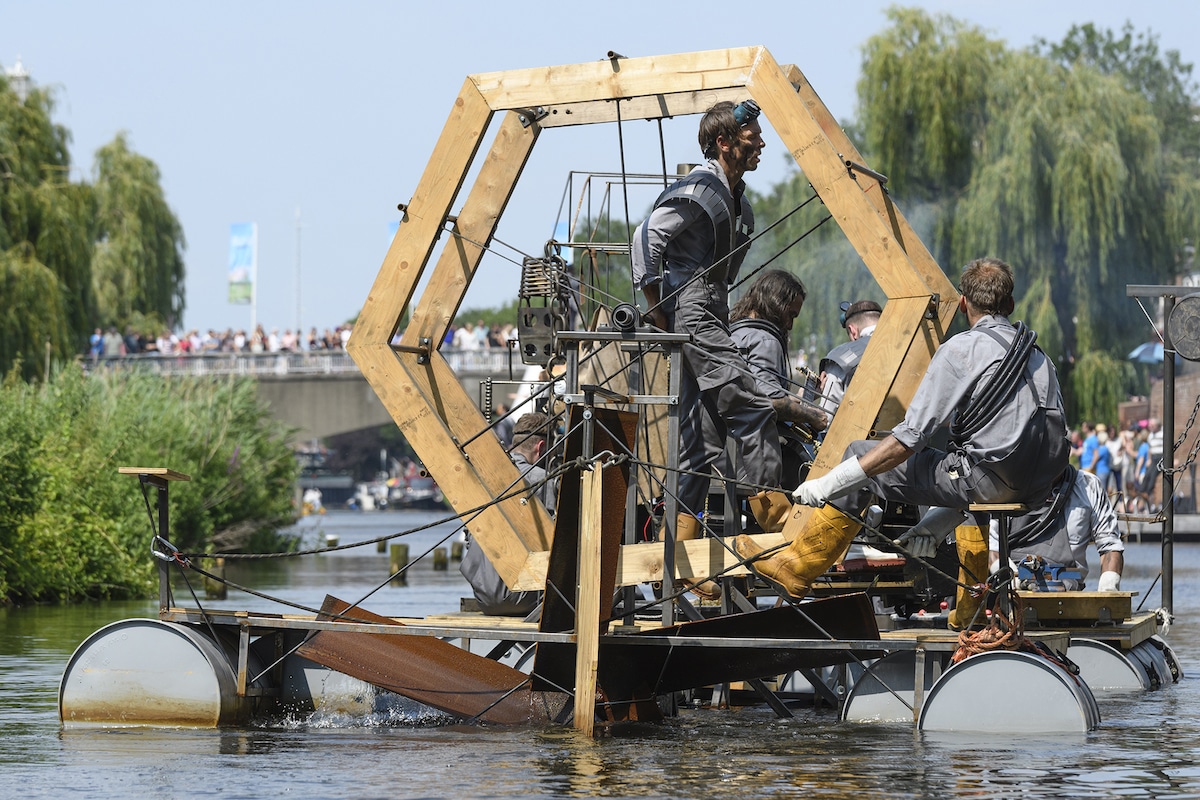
(323,393)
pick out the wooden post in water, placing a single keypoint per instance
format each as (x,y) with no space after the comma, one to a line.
(381,546)
(587,601)
(441,559)
(397,560)
(456,551)
(215,588)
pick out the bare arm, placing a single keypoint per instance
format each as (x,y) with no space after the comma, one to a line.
(886,455)
(1112,561)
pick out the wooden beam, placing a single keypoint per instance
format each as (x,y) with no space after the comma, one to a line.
(587,597)
(427,210)
(626,77)
(476,223)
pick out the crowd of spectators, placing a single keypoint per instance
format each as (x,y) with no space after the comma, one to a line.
(111,344)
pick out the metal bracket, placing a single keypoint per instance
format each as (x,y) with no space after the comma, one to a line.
(933,310)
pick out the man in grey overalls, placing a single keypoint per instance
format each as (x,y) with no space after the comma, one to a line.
(685,256)
(839,365)
(1008,441)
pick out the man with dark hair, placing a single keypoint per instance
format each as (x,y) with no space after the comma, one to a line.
(529,442)
(685,257)
(837,368)
(1007,433)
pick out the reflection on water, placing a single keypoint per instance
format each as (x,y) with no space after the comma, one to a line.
(1147,746)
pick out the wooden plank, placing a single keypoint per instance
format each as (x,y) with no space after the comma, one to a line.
(162,472)
(434,412)
(655,106)
(874,385)
(476,222)
(606,79)
(868,232)
(427,210)
(922,260)
(587,602)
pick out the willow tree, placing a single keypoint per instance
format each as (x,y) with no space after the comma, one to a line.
(56,233)
(46,236)
(138,265)
(1058,166)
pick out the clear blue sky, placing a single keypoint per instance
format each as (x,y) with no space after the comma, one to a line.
(253,110)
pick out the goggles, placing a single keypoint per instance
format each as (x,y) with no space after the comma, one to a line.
(746,112)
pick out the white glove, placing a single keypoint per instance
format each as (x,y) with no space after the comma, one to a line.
(1109,582)
(922,539)
(840,481)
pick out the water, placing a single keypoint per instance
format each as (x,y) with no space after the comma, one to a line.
(1147,746)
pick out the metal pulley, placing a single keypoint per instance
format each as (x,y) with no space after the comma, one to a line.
(543,306)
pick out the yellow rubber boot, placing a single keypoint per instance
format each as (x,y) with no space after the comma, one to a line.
(972,545)
(687,528)
(793,569)
(771,509)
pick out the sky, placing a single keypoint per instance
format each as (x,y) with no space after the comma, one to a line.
(315,119)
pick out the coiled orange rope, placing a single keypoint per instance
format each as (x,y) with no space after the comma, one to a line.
(1001,633)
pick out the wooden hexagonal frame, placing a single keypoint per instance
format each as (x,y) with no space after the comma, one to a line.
(424,396)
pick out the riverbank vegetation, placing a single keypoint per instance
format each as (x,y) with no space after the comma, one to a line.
(72,528)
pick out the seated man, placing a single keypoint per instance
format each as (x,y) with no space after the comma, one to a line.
(530,435)
(1058,532)
(999,395)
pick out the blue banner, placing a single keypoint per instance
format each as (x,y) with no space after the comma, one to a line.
(243,261)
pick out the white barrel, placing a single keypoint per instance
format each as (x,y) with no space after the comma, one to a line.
(1107,669)
(1002,691)
(149,672)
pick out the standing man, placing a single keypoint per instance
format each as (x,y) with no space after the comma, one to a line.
(530,439)
(685,256)
(859,320)
(1008,441)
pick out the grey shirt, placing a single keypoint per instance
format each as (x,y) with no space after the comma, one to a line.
(670,236)
(765,353)
(960,369)
(1088,517)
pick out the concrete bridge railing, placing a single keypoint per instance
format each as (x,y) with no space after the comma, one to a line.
(320,393)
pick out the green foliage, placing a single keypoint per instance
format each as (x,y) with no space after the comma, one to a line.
(1098,384)
(117,236)
(1076,162)
(139,255)
(923,96)
(72,528)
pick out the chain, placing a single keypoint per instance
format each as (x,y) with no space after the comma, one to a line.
(1179,442)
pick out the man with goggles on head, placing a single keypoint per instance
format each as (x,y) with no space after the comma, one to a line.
(685,255)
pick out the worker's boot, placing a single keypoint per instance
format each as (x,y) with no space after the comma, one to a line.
(771,509)
(793,569)
(971,541)
(687,527)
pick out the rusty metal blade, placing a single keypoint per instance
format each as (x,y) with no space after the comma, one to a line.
(628,671)
(430,671)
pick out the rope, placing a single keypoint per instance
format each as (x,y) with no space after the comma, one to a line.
(1000,633)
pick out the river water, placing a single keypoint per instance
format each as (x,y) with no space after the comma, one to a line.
(1147,746)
